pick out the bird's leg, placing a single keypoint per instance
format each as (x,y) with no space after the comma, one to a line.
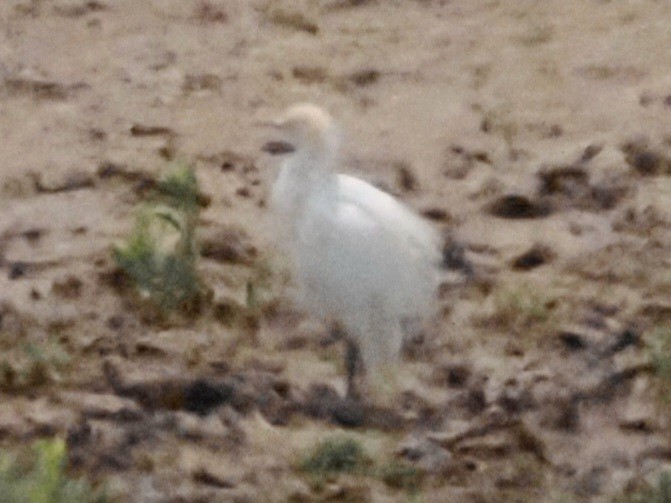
(336,333)
(355,370)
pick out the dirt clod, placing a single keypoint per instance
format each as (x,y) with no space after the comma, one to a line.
(518,207)
(536,256)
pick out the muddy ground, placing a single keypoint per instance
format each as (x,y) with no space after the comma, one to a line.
(537,136)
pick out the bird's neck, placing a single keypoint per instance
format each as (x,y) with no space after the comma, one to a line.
(311,170)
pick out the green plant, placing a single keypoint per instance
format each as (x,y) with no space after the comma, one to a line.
(336,455)
(161,254)
(521,308)
(401,476)
(35,365)
(344,454)
(659,349)
(179,189)
(660,493)
(527,312)
(40,477)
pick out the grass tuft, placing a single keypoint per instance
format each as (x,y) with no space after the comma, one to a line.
(659,348)
(179,189)
(660,493)
(346,455)
(522,310)
(336,455)
(161,254)
(36,365)
(401,476)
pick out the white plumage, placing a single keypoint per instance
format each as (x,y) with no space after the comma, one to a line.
(362,259)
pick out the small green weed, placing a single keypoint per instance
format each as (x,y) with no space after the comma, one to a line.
(521,310)
(346,455)
(522,306)
(40,477)
(35,365)
(659,349)
(660,493)
(161,254)
(179,189)
(401,476)
(336,455)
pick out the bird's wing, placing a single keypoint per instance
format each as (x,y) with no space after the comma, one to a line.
(364,244)
(391,214)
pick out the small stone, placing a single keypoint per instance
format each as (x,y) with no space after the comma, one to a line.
(298,491)
(349,493)
(659,311)
(198,428)
(536,256)
(33,235)
(206,12)
(67,182)
(202,396)
(591,151)
(426,454)
(572,341)
(229,246)
(516,399)
(310,74)
(476,400)
(11,326)
(454,257)
(643,158)
(244,192)
(491,446)
(144,130)
(364,77)
(646,163)
(406,177)
(115,322)
(147,347)
(205,476)
(561,413)
(46,417)
(452,375)
(567,180)
(515,206)
(437,214)
(100,405)
(67,288)
(17,270)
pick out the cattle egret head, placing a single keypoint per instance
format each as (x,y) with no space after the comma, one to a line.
(310,131)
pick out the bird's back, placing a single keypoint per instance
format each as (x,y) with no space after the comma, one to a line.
(393,215)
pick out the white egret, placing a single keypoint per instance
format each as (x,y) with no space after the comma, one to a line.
(364,262)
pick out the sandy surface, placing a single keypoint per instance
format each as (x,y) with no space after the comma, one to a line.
(535,386)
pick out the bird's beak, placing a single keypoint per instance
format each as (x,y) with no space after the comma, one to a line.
(277,147)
